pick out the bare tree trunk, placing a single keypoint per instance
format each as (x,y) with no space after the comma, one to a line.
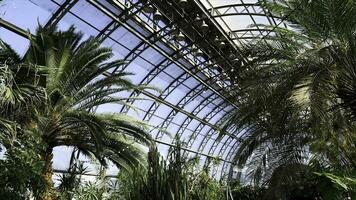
(49,193)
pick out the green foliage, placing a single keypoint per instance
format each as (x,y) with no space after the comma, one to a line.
(91,191)
(102,188)
(302,184)
(21,170)
(202,186)
(159,181)
(176,178)
(343,187)
(52,93)
(297,94)
(70,181)
(246,192)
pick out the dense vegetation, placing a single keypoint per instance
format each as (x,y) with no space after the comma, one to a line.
(296,101)
(48,99)
(177,178)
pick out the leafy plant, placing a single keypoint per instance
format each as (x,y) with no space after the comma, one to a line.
(176,178)
(70,181)
(51,94)
(344,187)
(296,101)
(246,192)
(21,171)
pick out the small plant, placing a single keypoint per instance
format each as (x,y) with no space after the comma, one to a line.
(178,178)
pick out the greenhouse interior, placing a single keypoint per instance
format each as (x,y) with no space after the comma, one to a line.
(177,99)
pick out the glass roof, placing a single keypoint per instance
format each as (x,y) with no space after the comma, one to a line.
(189,106)
(242,20)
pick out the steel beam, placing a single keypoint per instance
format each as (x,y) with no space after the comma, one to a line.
(100,7)
(25,34)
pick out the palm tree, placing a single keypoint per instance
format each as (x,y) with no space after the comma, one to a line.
(52,93)
(297,93)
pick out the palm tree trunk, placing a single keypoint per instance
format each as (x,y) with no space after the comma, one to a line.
(49,192)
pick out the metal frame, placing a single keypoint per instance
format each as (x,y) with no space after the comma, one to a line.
(246,9)
(25,34)
(132,11)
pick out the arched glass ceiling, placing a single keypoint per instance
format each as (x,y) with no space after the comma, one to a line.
(193,100)
(242,20)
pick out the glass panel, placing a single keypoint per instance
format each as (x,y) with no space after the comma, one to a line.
(138,113)
(197,142)
(125,38)
(90,14)
(220,145)
(191,83)
(173,129)
(143,104)
(193,124)
(186,135)
(163,111)
(61,157)
(112,170)
(161,81)
(191,105)
(152,56)
(230,148)
(138,28)
(108,108)
(173,70)
(155,120)
(18,43)
(82,26)
(216,117)
(163,149)
(179,118)
(176,95)
(208,146)
(119,50)
(27,14)
(168,138)
(204,111)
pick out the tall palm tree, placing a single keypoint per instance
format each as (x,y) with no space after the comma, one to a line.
(52,93)
(297,93)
